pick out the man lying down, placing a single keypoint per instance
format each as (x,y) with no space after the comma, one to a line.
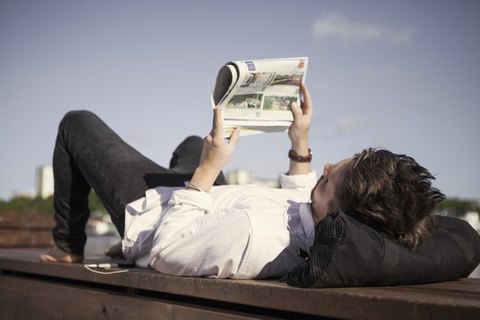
(185,221)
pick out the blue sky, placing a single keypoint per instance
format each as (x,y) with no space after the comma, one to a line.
(404,75)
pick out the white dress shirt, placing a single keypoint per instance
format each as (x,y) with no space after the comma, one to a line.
(235,231)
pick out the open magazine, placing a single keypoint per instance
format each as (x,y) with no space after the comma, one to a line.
(256,95)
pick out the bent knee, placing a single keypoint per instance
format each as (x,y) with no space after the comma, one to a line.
(194,140)
(76,116)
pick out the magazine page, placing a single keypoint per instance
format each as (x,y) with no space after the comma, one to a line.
(226,79)
(259,101)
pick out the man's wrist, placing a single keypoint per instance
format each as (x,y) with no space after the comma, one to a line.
(300,146)
(303,157)
(194,187)
(203,178)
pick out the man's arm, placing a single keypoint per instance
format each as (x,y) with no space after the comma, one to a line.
(298,132)
(215,154)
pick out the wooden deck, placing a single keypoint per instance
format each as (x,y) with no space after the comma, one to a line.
(34,290)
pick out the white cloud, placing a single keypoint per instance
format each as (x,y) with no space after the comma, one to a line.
(337,26)
(346,125)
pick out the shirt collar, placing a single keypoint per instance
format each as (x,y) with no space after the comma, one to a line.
(308,224)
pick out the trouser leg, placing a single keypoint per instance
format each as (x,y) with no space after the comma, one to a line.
(88,154)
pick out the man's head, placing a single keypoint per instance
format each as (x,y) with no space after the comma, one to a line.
(389,192)
(323,194)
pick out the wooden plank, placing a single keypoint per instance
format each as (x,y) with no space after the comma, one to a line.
(37,299)
(25,238)
(464,285)
(446,300)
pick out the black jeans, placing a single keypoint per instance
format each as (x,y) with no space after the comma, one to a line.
(88,154)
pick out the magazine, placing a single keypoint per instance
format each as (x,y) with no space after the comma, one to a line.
(256,95)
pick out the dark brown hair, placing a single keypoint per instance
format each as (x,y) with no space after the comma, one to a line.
(391,193)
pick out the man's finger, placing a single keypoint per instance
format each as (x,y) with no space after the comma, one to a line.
(217,122)
(234,137)
(307,102)
(306,94)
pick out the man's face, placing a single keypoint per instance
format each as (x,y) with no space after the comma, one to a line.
(324,190)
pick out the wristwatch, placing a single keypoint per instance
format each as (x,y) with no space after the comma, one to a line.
(297,158)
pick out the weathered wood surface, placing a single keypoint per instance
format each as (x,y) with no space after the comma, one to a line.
(42,300)
(23,229)
(71,288)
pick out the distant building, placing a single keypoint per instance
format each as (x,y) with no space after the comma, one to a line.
(473,218)
(44,181)
(239,177)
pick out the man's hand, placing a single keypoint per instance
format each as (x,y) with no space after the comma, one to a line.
(215,154)
(298,132)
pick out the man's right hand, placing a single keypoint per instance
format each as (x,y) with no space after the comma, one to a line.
(215,154)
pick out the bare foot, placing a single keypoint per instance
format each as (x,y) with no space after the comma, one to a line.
(57,255)
(115,251)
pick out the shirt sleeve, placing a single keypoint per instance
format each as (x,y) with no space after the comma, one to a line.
(300,181)
(191,240)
